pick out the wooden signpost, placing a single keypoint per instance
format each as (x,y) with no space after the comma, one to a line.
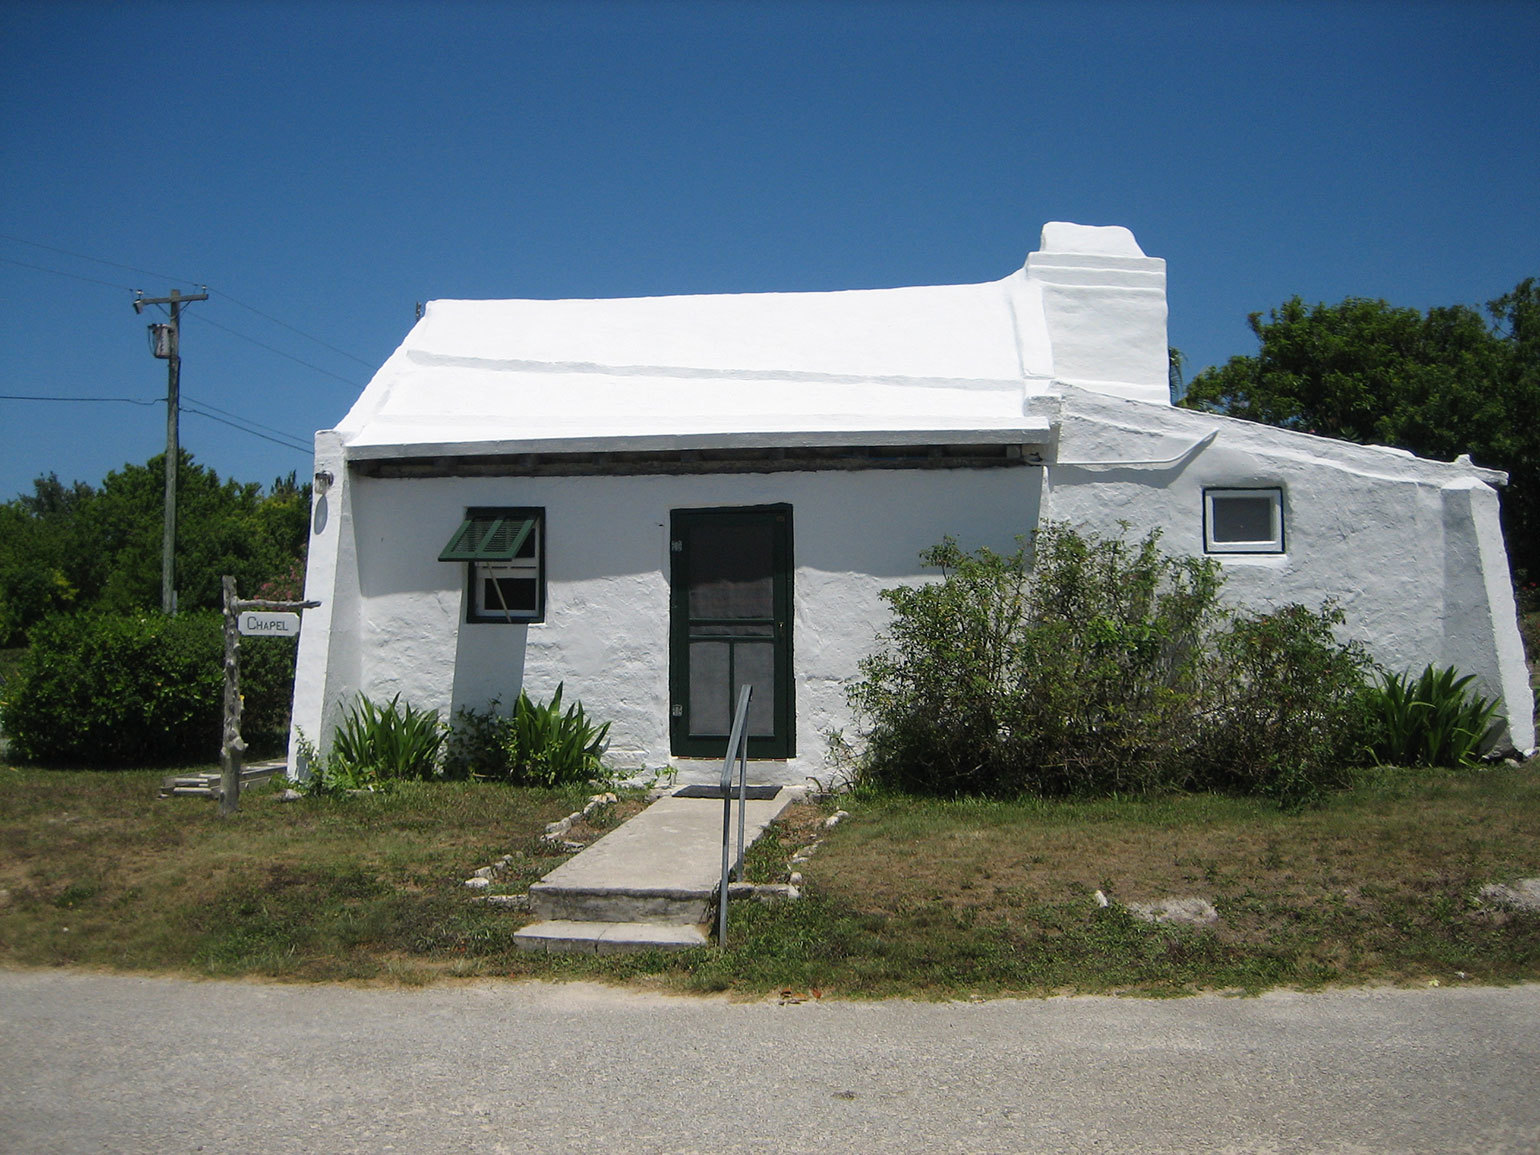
(245,617)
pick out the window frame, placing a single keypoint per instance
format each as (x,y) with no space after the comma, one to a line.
(1275,544)
(479,569)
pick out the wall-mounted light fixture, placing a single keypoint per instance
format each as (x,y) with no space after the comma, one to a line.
(323,480)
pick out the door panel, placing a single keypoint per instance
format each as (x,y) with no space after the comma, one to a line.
(730,626)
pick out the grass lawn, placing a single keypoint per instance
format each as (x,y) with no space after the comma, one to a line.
(905,897)
(1379,885)
(100,872)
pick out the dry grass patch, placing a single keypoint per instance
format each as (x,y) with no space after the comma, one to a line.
(1378,884)
(96,870)
(599,821)
(799,827)
(995,857)
(906,897)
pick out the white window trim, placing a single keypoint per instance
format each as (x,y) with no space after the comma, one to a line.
(1273,544)
(528,568)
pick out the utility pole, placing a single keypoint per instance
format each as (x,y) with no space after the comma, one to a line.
(165,343)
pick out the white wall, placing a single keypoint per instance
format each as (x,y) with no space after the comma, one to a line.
(330,659)
(1410,549)
(605,636)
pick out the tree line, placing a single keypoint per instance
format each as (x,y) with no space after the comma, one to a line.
(78,547)
(1440,383)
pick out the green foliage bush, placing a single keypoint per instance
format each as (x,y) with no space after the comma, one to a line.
(1102,668)
(1435,719)
(537,744)
(136,690)
(546,747)
(1067,677)
(1283,710)
(393,741)
(474,748)
(74,548)
(375,745)
(267,693)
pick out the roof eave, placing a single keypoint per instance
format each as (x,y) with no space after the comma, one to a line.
(1023,433)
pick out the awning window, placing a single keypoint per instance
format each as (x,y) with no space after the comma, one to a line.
(492,535)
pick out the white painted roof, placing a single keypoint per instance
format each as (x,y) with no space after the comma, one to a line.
(951,363)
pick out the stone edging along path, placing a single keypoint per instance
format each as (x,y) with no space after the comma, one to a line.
(556,837)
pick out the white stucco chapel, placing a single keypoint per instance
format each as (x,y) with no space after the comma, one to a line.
(652,501)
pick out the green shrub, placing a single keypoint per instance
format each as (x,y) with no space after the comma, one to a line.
(546,747)
(10,662)
(1073,676)
(474,748)
(1284,707)
(139,690)
(1113,654)
(535,745)
(1435,719)
(935,693)
(382,743)
(1106,667)
(122,690)
(267,693)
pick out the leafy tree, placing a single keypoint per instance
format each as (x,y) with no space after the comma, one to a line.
(65,548)
(37,547)
(1439,383)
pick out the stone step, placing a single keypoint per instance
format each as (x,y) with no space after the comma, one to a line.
(639,905)
(620,903)
(206,784)
(572,936)
(649,884)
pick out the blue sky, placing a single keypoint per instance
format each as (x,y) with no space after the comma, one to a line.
(323,167)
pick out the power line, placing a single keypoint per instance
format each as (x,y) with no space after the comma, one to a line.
(307,450)
(166,277)
(248,420)
(292,329)
(40,397)
(62,273)
(233,420)
(271,349)
(95,260)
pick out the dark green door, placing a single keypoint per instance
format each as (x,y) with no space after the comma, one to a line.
(730,624)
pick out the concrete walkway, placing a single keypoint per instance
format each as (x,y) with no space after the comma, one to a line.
(650,884)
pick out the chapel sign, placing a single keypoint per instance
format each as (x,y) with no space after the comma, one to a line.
(254,624)
(265,618)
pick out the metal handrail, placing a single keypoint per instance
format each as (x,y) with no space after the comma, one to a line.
(737,747)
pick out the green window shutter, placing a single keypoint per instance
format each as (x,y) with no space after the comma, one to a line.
(489,537)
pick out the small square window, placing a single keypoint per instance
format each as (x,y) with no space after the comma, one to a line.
(1243,520)
(505,554)
(505,591)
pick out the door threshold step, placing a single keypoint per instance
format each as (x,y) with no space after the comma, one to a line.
(568,936)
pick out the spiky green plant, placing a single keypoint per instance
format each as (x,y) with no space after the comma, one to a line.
(549,747)
(1434,719)
(395,740)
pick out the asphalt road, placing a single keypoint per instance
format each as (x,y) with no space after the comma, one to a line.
(111,1063)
